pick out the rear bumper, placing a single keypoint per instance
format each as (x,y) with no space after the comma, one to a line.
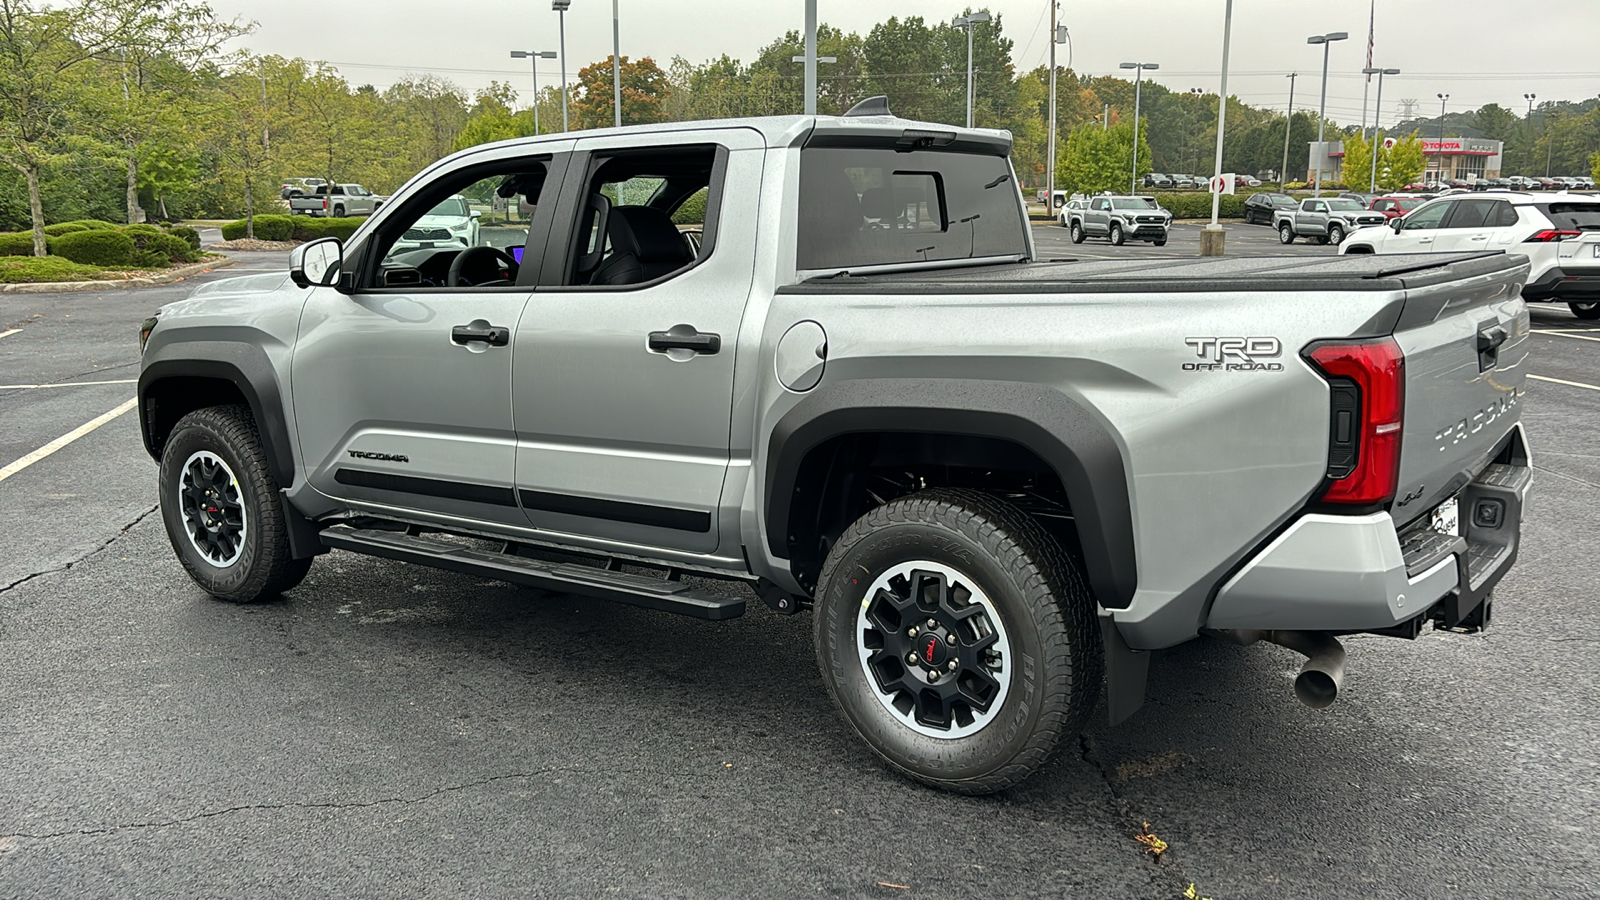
(1357,573)
(1564,284)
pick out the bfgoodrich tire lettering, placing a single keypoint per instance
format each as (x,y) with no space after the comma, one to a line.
(1055,662)
(260,566)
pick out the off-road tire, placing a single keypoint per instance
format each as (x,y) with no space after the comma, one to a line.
(1044,605)
(263,568)
(1585,310)
(1118,238)
(1286,233)
(1160,242)
(338,212)
(1077,232)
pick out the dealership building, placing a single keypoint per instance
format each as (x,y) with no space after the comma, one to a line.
(1465,159)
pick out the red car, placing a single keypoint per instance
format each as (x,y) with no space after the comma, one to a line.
(1395,207)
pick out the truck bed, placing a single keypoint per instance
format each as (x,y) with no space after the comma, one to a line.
(1363,272)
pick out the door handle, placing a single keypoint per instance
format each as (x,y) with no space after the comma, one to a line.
(1425,241)
(493,335)
(685,337)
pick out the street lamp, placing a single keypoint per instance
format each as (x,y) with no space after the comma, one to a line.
(1138,73)
(616,66)
(1528,122)
(561,7)
(1377,132)
(967,22)
(1443,98)
(534,55)
(1326,40)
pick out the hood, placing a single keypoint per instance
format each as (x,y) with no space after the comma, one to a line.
(442,222)
(242,293)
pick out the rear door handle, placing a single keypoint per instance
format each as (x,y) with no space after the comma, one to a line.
(685,337)
(493,335)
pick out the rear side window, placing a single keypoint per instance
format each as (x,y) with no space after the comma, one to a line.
(1579,216)
(876,206)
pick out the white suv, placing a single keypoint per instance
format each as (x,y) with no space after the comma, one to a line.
(1559,234)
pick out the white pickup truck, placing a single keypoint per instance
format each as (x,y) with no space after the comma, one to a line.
(338,201)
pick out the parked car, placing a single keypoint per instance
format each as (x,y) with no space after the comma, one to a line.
(1158,180)
(1323,219)
(295,186)
(1547,183)
(1560,236)
(1496,184)
(994,487)
(1118,219)
(1071,206)
(338,201)
(1248,181)
(1523,183)
(1364,199)
(1260,208)
(1395,207)
(451,223)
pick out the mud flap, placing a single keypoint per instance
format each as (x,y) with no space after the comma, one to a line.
(1127,671)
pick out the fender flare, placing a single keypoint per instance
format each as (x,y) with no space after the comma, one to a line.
(1061,431)
(243,365)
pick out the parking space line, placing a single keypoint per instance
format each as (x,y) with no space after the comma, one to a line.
(65,439)
(10,333)
(35,387)
(1576,384)
(1576,337)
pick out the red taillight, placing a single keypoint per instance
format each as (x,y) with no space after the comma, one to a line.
(324,202)
(1370,377)
(1550,235)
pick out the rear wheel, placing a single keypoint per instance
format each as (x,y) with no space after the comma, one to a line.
(1586,310)
(222,508)
(1285,233)
(1077,232)
(338,212)
(957,638)
(1117,237)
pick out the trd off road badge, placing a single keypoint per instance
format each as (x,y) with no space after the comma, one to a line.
(1235,354)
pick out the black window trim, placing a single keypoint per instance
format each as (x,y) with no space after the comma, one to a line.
(561,249)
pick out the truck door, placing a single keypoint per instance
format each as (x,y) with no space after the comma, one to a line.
(402,390)
(1097,218)
(623,381)
(1312,218)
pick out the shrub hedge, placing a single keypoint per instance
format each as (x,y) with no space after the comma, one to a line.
(155,248)
(19,243)
(61,228)
(188,235)
(28,269)
(96,248)
(294,228)
(1198,206)
(268,228)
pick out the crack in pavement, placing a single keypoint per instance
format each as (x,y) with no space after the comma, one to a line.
(273,807)
(70,563)
(1122,809)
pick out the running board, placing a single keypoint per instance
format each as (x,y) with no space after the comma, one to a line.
(652,593)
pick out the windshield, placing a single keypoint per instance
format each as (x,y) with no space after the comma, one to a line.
(1131,203)
(876,206)
(454,206)
(1345,206)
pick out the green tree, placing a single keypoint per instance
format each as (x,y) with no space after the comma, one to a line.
(644,93)
(1097,160)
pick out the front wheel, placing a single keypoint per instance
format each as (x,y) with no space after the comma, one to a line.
(1160,242)
(1117,237)
(957,638)
(1285,234)
(1587,310)
(1077,232)
(222,508)
(1335,234)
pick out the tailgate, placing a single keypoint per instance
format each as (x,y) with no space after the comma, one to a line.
(1581,256)
(1465,344)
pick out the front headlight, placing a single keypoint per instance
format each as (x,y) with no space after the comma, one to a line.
(462,227)
(145,327)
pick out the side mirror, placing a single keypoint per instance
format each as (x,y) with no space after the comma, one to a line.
(316,262)
(1396,223)
(477,214)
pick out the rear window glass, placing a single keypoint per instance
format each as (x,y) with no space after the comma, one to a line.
(862,207)
(1582,216)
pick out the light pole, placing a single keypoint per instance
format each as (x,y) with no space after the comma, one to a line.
(1058,34)
(1326,40)
(810,58)
(967,22)
(1211,237)
(1377,111)
(1138,72)
(1443,99)
(535,56)
(616,65)
(1288,126)
(561,7)
(1528,122)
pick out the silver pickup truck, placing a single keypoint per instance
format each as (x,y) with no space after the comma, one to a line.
(996,484)
(1323,219)
(337,200)
(1120,219)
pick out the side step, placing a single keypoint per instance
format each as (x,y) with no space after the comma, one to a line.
(653,593)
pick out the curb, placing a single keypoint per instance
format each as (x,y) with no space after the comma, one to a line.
(179,274)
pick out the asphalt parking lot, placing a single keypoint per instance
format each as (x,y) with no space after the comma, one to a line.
(1184,241)
(387,730)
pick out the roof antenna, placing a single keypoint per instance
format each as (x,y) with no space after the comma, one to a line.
(872,106)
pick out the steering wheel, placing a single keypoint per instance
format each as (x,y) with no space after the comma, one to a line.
(475,254)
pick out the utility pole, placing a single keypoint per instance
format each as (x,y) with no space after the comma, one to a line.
(616,64)
(1288,126)
(1050,142)
(1105,118)
(561,7)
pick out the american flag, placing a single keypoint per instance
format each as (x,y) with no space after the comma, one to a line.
(1372,21)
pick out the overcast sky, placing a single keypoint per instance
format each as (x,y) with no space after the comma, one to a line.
(1477,51)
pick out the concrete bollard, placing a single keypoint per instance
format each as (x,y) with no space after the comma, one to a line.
(1211,240)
